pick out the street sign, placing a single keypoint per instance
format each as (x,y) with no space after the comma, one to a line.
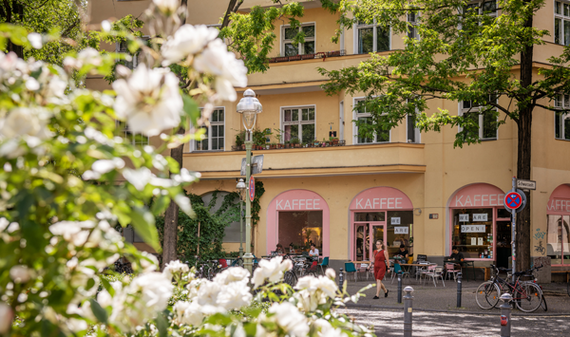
(251,188)
(513,201)
(256,165)
(524,184)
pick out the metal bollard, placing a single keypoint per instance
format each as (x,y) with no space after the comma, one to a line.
(340,279)
(506,315)
(459,286)
(408,299)
(399,287)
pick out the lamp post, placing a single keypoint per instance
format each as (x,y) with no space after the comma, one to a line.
(240,187)
(248,107)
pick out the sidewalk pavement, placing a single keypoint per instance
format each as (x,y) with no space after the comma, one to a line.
(444,299)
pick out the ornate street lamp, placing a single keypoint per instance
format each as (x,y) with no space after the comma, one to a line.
(248,107)
(241,188)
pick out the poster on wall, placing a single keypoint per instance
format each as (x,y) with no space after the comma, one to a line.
(473,228)
(395,221)
(473,241)
(401,230)
(463,217)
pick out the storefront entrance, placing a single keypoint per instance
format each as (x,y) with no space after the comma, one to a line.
(380,213)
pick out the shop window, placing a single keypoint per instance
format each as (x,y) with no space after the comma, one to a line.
(300,230)
(299,124)
(473,232)
(290,48)
(486,119)
(399,231)
(557,239)
(214,133)
(562,23)
(366,125)
(372,38)
(562,120)
(131,137)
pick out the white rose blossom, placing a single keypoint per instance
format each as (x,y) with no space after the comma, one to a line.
(234,295)
(21,274)
(314,291)
(288,318)
(27,123)
(167,5)
(272,270)
(232,274)
(175,267)
(187,41)
(149,100)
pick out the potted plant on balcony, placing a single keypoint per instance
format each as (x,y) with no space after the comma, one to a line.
(316,143)
(295,142)
(333,141)
(239,143)
(279,136)
(287,144)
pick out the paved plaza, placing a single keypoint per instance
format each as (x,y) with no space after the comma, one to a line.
(436,314)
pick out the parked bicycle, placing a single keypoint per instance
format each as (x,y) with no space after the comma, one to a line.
(301,267)
(526,295)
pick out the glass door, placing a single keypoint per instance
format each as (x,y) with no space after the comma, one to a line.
(378,233)
(361,240)
(367,228)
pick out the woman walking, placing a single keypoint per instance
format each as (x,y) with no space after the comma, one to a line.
(381,265)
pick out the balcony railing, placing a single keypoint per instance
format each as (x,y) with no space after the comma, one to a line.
(319,55)
(327,143)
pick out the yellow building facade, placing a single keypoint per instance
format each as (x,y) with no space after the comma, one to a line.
(403,187)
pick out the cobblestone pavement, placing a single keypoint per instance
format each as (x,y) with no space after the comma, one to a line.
(390,323)
(444,299)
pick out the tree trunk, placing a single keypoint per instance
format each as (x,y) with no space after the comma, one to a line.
(169,246)
(14,15)
(524,160)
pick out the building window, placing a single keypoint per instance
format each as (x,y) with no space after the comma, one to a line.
(483,7)
(365,124)
(290,48)
(562,120)
(562,23)
(412,27)
(131,137)
(213,139)
(372,38)
(122,47)
(487,120)
(412,131)
(299,123)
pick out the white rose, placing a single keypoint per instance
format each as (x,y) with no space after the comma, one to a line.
(29,122)
(167,5)
(188,40)
(149,100)
(175,267)
(234,296)
(20,274)
(289,319)
(208,292)
(272,270)
(138,178)
(232,274)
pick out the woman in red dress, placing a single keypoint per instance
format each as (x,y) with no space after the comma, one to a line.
(381,261)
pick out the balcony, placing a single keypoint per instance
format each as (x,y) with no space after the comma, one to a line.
(315,161)
(319,55)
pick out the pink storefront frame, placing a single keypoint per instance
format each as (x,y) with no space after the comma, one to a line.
(290,201)
(378,200)
(558,204)
(476,196)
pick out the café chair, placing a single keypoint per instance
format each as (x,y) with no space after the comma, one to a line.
(350,268)
(398,269)
(435,272)
(452,268)
(323,265)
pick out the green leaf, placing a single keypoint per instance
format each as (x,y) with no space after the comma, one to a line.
(191,109)
(161,325)
(160,204)
(98,311)
(143,223)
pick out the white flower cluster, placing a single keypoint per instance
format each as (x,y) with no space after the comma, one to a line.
(228,291)
(210,56)
(88,234)
(270,270)
(175,267)
(149,100)
(287,317)
(139,302)
(314,291)
(88,56)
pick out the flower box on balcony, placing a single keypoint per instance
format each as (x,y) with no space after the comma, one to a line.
(307,56)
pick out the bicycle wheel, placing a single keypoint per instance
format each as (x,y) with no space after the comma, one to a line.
(543,304)
(487,295)
(290,278)
(528,297)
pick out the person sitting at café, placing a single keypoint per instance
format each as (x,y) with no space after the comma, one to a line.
(457,256)
(279,249)
(402,253)
(314,252)
(291,248)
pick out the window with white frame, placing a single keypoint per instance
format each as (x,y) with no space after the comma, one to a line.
(412,131)
(562,23)
(372,38)
(131,137)
(365,117)
(290,48)
(562,120)
(488,127)
(299,123)
(122,47)
(412,27)
(213,138)
(484,7)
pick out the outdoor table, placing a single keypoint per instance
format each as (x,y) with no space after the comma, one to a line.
(410,265)
(463,264)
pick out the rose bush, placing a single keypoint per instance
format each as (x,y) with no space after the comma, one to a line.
(69,177)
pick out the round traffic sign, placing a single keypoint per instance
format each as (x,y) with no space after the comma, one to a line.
(251,188)
(513,200)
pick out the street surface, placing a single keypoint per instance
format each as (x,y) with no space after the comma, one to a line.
(391,323)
